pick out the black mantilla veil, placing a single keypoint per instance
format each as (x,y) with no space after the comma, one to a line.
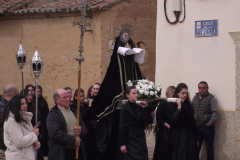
(120,70)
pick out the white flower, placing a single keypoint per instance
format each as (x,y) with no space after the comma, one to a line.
(151,93)
(151,83)
(139,81)
(146,93)
(158,89)
(155,93)
(141,91)
(146,88)
(159,84)
(138,87)
(145,81)
(129,83)
(150,86)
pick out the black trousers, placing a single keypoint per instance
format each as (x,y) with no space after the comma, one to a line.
(206,133)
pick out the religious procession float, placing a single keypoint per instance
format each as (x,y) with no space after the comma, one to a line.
(124,71)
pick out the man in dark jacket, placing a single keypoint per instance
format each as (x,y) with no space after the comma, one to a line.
(61,127)
(9,91)
(205,113)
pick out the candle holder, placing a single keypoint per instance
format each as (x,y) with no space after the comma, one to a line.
(36,71)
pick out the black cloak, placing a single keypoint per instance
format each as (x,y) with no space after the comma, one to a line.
(162,133)
(183,133)
(133,120)
(43,110)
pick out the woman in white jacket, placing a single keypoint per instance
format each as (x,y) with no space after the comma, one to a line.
(20,137)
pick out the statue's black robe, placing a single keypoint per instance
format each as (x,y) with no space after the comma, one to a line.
(133,121)
(120,70)
(183,133)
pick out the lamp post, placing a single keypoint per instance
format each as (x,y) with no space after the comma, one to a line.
(36,69)
(21,56)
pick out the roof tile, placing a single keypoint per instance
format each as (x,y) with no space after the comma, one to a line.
(54,6)
(6,4)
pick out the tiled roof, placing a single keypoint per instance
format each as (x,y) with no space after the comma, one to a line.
(6,5)
(53,6)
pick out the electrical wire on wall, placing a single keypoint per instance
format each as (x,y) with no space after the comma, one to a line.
(176,13)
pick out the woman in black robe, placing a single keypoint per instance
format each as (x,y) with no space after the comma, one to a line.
(133,120)
(162,128)
(43,110)
(183,130)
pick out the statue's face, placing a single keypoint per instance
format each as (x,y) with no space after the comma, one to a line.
(124,36)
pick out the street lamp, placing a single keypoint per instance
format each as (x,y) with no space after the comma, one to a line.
(21,56)
(36,69)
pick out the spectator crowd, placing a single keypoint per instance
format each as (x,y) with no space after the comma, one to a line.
(181,126)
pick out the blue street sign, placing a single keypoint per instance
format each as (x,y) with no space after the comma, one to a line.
(206,28)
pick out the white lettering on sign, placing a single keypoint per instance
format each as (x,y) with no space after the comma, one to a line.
(208,23)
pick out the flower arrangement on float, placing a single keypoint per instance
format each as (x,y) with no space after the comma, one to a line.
(147,92)
(146,89)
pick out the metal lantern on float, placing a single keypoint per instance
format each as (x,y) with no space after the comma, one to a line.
(21,56)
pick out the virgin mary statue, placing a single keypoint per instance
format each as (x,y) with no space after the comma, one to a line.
(122,68)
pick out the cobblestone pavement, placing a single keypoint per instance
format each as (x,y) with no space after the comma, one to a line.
(150,144)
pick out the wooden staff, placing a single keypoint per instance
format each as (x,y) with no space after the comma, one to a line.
(82,25)
(78,104)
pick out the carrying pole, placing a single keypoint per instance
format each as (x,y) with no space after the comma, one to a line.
(82,26)
(78,104)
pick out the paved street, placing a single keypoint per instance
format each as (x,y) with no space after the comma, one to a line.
(150,144)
